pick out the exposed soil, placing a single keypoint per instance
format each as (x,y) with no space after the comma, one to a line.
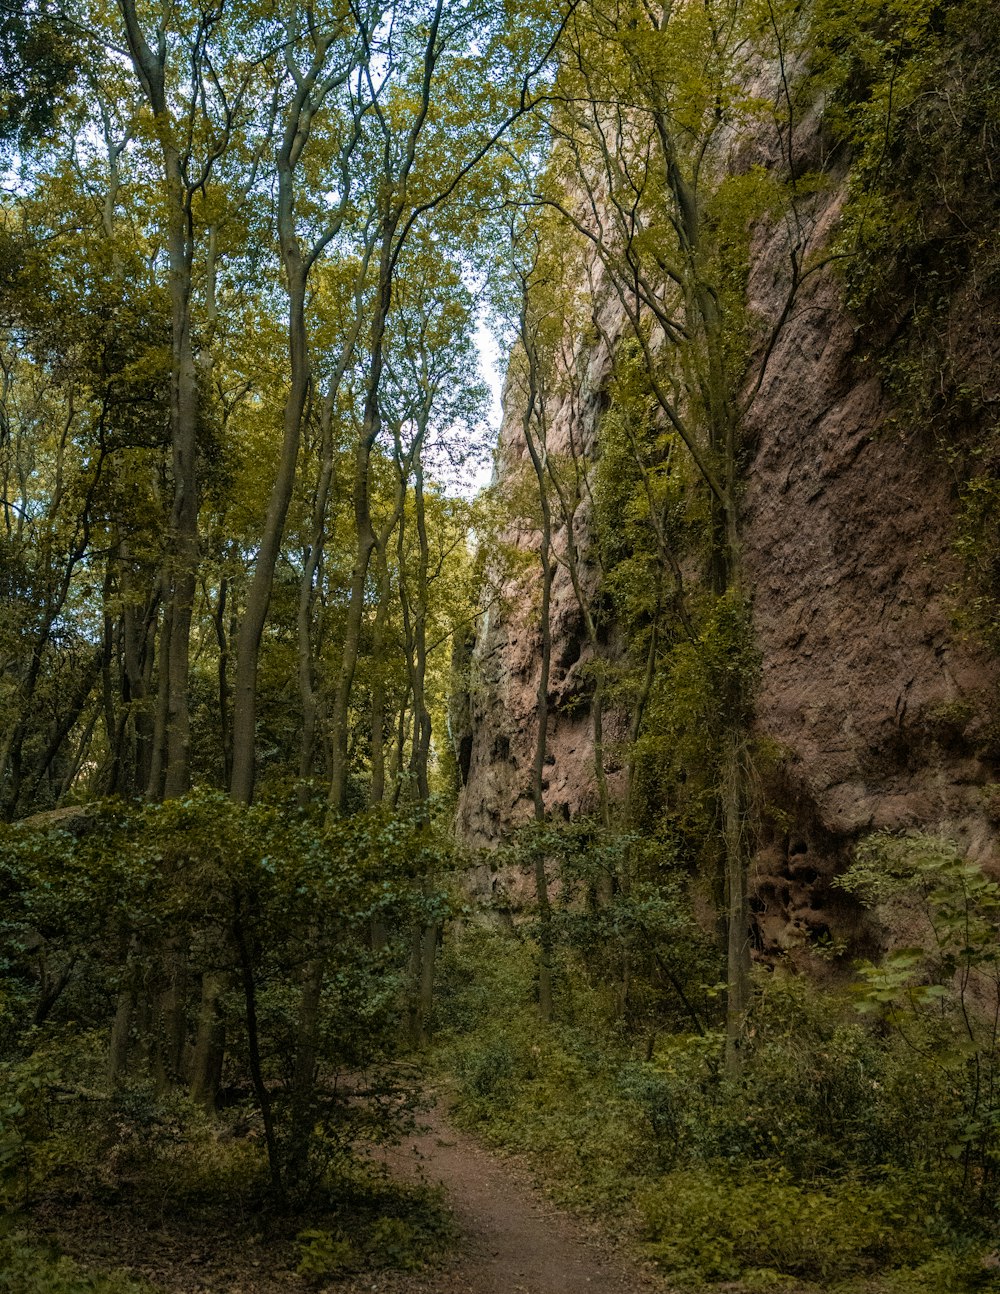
(515,1241)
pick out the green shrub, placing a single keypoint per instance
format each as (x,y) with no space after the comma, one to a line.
(404,1244)
(940,999)
(825,1161)
(30,1268)
(367,1220)
(157,925)
(324,1253)
(395,1242)
(962,1272)
(492,1070)
(821,1090)
(706,1226)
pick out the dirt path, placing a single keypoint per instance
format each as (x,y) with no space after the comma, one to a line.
(514,1240)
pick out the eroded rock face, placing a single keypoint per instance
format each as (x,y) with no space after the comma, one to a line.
(505,672)
(884,713)
(885,710)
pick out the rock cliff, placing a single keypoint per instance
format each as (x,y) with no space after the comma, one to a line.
(883,711)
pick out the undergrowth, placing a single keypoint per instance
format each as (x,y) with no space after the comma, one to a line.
(106,1112)
(825,1166)
(155,1165)
(27,1267)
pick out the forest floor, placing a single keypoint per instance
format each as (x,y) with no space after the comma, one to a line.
(511,1238)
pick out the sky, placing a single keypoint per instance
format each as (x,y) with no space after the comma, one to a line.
(492,371)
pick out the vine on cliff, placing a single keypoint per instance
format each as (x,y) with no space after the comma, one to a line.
(914,93)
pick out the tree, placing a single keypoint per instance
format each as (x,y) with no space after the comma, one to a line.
(197,90)
(333,55)
(648,102)
(37,65)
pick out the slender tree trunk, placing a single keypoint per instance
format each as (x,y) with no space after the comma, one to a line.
(306,678)
(173,1012)
(121,1030)
(253,1048)
(424,942)
(398,752)
(259,596)
(157,758)
(222,639)
(536,453)
(414,613)
(210,1041)
(172,777)
(137,658)
(363,529)
(422,720)
(183,535)
(365,537)
(376,792)
(738,926)
(714,388)
(312,563)
(112,731)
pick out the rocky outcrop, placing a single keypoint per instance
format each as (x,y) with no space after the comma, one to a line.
(883,712)
(886,712)
(500,711)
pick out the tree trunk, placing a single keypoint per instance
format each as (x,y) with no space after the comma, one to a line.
(157,744)
(172,774)
(376,792)
(253,1048)
(363,529)
(738,925)
(182,561)
(307,1039)
(259,597)
(222,639)
(210,1041)
(339,716)
(536,452)
(312,562)
(121,1030)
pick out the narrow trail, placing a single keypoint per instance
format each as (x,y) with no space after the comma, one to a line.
(514,1240)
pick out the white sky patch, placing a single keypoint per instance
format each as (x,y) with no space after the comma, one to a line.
(491,365)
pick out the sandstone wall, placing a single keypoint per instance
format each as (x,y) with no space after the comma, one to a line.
(885,713)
